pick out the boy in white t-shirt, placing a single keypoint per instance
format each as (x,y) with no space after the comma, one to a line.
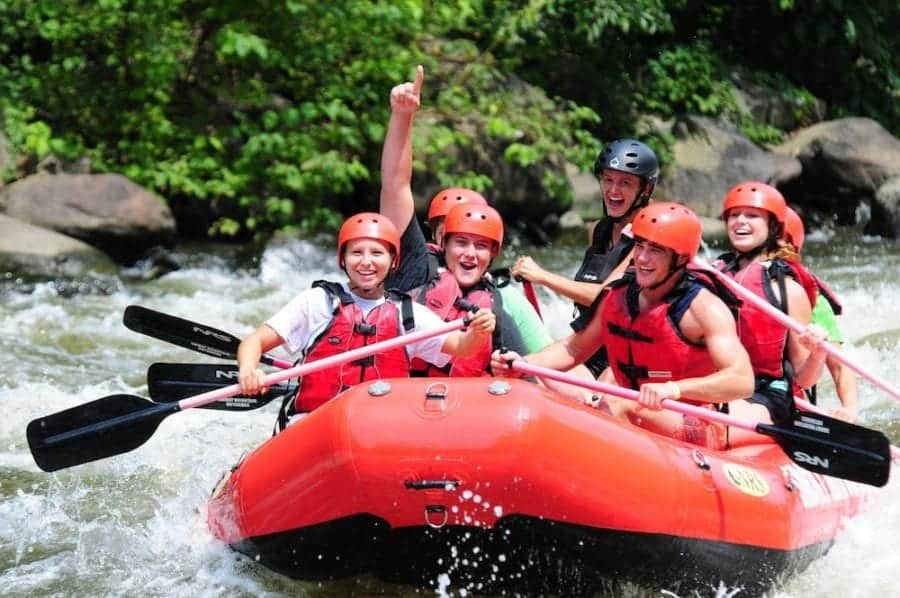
(332,318)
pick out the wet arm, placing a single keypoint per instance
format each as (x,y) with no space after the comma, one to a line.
(396,201)
(249,353)
(468,342)
(733,378)
(575,349)
(580,292)
(846,388)
(808,365)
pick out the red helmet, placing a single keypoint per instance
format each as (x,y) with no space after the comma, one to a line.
(445,199)
(475,220)
(369,225)
(670,225)
(793,229)
(753,194)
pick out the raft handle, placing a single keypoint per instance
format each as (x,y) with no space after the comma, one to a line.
(789,484)
(437,390)
(430,510)
(431,484)
(700,460)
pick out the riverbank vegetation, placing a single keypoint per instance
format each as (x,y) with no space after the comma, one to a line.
(270,114)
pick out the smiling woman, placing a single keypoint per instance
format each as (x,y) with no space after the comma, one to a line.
(754,214)
(367,262)
(368,249)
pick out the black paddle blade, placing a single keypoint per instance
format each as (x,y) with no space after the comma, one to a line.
(109,426)
(184,333)
(170,382)
(833,447)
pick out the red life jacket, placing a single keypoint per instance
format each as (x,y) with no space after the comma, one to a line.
(764,338)
(649,346)
(443,296)
(350,330)
(804,278)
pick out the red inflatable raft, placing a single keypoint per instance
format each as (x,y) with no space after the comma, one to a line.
(504,484)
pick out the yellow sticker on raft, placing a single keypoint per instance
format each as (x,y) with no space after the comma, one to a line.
(746,480)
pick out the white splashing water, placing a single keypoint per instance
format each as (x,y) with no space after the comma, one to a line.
(134,524)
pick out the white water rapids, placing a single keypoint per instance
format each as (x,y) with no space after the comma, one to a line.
(133,524)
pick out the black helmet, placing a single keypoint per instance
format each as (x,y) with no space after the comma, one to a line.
(628,155)
(633,157)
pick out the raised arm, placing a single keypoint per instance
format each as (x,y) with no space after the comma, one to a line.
(396,200)
(580,292)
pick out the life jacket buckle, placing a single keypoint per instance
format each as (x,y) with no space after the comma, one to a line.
(464,305)
(365,361)
(364,329)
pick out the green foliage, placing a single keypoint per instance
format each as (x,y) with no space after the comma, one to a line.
(761,134)
(520,122)
(265,110)
(842,52)
(272,113)
(687,79)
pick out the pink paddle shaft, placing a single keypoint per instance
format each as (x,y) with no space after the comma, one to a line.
(796,326)
(322,364)
(281,364)
(626,393)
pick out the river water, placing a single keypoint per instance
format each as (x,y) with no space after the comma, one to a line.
(133,524)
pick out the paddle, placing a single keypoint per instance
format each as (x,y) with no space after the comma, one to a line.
(807,406)
(171,382)
(190,335)
(815,442)
(792,324)
(528,287)
(119,423)
(501,278)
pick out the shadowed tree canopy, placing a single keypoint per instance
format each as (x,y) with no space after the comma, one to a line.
(270,114)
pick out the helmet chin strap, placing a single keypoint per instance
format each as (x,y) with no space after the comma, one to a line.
(674,268)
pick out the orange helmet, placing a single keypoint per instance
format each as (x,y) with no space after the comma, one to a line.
(369,225)
(753,194)
(475,220)
(445,199)
(793,229)
(670,225)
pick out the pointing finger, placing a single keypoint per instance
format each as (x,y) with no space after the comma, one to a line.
(420,77)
